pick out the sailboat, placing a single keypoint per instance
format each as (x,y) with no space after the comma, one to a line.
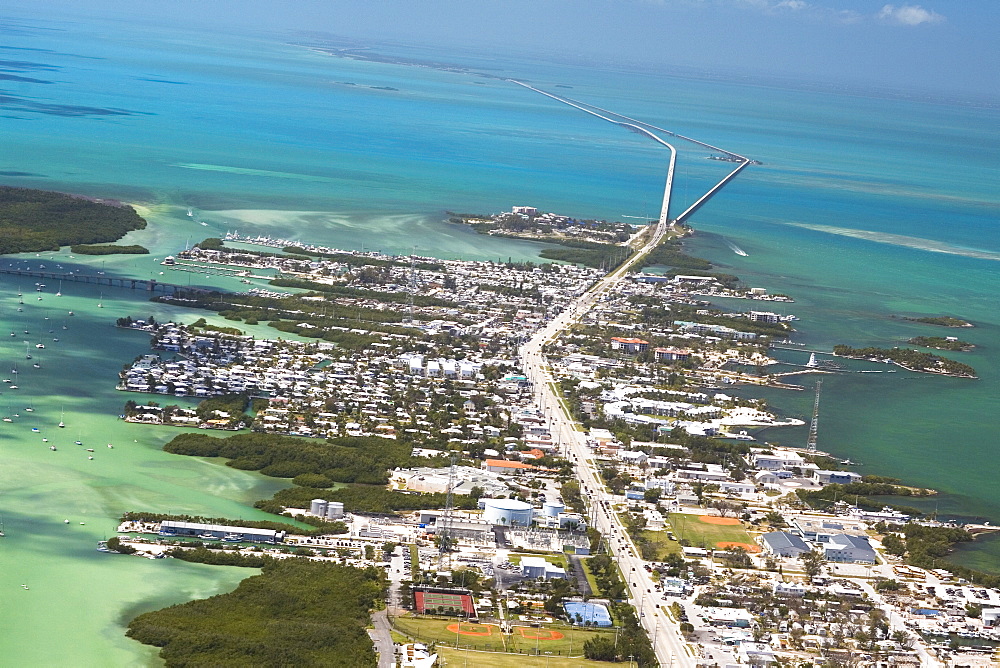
(27,355)
(59,293)
(1,527)
(62,415)
(99,304)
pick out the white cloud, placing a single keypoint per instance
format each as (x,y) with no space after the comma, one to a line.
(909,15)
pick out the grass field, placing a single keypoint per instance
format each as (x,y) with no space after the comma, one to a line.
(457,658)
(700,534)
(590,577)
(435,629)
(663,545)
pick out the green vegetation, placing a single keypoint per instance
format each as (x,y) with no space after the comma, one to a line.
(108,249)
(361,460)
(296,612)
(942,343)
(39,220)
(928,547)
(913,360)
(115,543)
(660,545)
(943,321)
(349,459)
(588,253)
(459,657)
(211,243)
(202,325)
(823,499)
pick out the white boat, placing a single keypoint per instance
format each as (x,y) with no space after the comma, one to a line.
(190,213)
(52,447)
(39,345)
(62,425)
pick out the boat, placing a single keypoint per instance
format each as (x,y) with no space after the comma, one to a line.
(190,213)
(29,409)
(232,538)
(34,429)
(13,387)
(90,449)
(61,424)
(99,304)
(2,534)
(24,586)
(39,345)
(37,365)
(207,536)
(90,457)
(102,546)
(71,313)
(65,521)
(110,446)
(78,442)
(53,448)
(8,419)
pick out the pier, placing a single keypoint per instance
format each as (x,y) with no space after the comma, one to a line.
(150,285)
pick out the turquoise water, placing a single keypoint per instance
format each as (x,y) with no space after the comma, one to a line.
(255,134)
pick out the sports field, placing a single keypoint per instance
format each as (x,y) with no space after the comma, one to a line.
(559,639)
(710,532)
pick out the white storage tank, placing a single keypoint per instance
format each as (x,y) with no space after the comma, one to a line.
(552,508)
(334,510)
(318,507)
(507,512)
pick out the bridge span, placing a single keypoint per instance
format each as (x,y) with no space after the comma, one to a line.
(151,285)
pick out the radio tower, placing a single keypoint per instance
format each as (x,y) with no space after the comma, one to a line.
(814,425)
(413,282)
(444,521)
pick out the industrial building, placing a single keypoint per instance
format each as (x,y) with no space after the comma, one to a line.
(507,512)
(220,532)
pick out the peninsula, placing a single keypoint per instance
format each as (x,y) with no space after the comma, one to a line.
(41,220)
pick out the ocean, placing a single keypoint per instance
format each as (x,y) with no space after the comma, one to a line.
(864,209)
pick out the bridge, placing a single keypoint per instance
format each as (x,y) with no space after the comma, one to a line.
(634,127)
(151,285)
(643,128)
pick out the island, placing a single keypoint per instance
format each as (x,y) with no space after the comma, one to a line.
(41,220)
(942,320)
(942,343)
(911,360)
(108,249)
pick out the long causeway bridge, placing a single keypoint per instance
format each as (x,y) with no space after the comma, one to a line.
(150,285)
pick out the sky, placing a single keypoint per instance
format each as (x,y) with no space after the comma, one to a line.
(937,46)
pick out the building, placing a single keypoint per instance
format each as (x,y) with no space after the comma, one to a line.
(220,531)
(764,316)
(629,346)
(849,549)
(783,544)
(755,654)
(672,354)
(776,459)
(507,467)
(537,567)
(529,211)
(507,512)
(835,477)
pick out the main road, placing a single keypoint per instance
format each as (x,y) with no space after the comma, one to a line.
(665,634)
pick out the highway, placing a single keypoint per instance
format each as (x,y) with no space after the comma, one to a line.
(664,633)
